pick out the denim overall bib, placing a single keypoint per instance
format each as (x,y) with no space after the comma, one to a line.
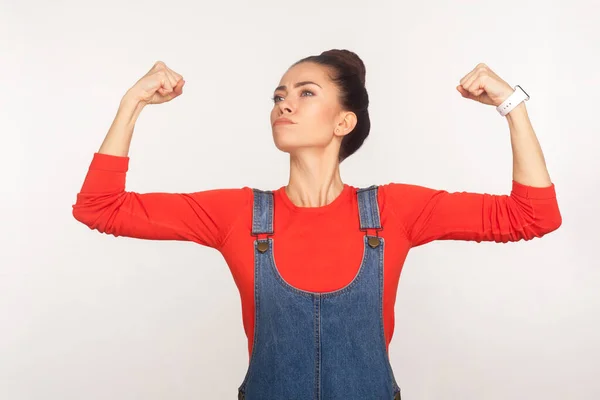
(318,346)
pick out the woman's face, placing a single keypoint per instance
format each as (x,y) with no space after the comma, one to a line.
(313,107)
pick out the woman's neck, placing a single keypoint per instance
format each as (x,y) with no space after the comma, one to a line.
(314,182)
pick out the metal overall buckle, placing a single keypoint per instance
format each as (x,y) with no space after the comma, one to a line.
(374,239)
(263,245)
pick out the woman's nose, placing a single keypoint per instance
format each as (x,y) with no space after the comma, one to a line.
(284,106)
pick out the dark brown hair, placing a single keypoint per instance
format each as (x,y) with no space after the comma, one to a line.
(348,74)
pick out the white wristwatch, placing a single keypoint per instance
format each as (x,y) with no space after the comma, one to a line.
(518,96)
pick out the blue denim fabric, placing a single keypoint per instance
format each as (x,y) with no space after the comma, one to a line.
(321,346)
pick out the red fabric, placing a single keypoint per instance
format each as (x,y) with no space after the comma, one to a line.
(316,249)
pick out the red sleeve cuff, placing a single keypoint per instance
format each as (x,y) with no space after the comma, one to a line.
(107,162)
(532,192)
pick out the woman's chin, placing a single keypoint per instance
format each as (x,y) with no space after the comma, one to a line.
(292,143)
(285,145)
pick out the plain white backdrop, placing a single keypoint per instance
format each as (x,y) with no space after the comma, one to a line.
(85,315)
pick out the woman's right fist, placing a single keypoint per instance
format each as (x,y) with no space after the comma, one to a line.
(159,85)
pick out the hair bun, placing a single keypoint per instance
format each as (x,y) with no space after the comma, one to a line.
(353,61)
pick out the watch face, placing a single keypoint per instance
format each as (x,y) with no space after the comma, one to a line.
(523,91)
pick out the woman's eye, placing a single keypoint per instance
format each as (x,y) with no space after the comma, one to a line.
(274,98)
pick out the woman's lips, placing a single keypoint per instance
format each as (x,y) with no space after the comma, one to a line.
(282,122)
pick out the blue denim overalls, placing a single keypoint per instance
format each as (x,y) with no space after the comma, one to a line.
(318,346)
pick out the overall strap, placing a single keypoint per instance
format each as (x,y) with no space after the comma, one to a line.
(262,212)
(368,208)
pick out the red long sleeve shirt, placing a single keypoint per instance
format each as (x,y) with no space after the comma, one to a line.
(319,248)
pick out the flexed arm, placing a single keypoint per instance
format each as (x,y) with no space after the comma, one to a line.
(103,204)
(529,167)
(529,211)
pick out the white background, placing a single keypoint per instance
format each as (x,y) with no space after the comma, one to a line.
(89,316)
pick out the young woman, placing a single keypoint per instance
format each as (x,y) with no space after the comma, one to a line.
(317,262)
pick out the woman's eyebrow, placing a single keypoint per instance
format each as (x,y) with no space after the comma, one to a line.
(297,85)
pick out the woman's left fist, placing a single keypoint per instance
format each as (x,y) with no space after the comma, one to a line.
(484,86)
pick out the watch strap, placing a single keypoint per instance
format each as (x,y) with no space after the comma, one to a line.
(516,98)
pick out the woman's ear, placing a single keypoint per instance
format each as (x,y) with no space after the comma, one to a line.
(346,125)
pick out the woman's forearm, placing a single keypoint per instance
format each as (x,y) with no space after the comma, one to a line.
(118,138)
(529,166)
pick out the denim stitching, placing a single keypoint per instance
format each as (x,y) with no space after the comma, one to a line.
(381,271)
(242,387)
(317,315)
